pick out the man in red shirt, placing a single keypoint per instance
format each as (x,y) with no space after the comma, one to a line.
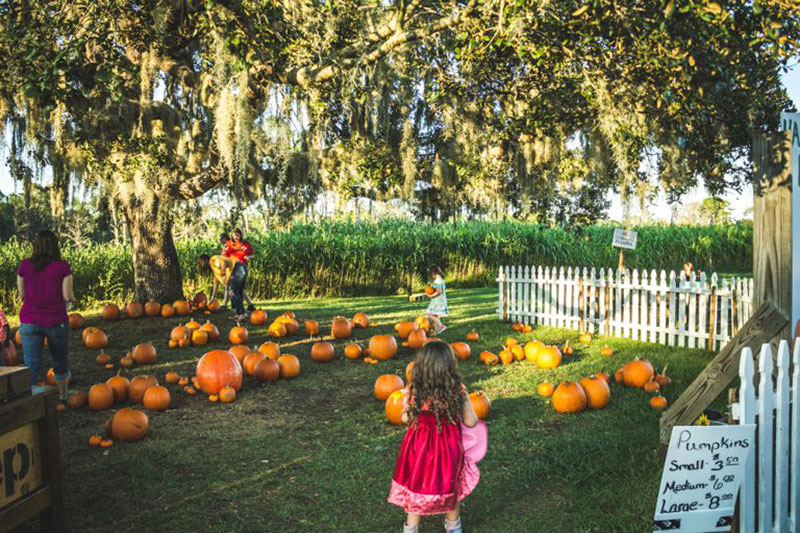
(242,250)
(227,244)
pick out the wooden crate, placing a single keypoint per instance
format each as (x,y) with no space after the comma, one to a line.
(29,442)
(15,382)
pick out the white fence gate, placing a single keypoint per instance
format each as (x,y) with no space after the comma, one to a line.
(648,306)
(769,498)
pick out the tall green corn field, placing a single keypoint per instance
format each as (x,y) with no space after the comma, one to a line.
(339,258)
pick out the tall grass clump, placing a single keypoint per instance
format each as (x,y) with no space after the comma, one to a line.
(337,258)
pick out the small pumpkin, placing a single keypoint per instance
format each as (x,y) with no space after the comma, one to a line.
(258,317)
(658,402)
(129,425)
(489,359)
(172,377)
(193,325)
(516,326)
(199,337)
(167,311)
(473,336)
(120,386)
(106,443)
(606,351)
(271,349)
(567,350)
(191,391)
(139,385)
(290,366)
(157,398)
(152,308)
(110,312)
(585,338)
(404,329)
(76,321)
(322,352)
(213,306)
(618,375)
(213,398)
(361,320)
(394,407)
(603,374)
(506,357)
(212,333)
(182,382)
(227,394)
(277,329)
(518,352)
(144,354)
(127,361)
(422,322)
(409,371)
(352,351)
(95,440)
(267,370)
(637,372)
(96,339)
(341,328)
(179,333)
(251,360)
(527,328)
(417,338)
(385,385)
(109,366)
(382,347)
(134,310)
(461,350)
(77,400)
(103,359)
(481,404)
(545,389)
(662,379)
(238,335)
(569,397)
(597,392)
(101,397)
(181,307)
(239,351)
(651,386)
(311,327)
(429,290)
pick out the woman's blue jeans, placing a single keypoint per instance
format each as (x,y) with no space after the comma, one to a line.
(32,338)
(237,281)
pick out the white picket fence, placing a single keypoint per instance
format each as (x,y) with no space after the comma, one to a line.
(769,498)
(660,308)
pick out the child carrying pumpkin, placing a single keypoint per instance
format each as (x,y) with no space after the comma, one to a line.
(436,465)
(438,305)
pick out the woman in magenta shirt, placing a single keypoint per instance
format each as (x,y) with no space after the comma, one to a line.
(44,282)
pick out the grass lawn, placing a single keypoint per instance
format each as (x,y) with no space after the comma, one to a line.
(316,454)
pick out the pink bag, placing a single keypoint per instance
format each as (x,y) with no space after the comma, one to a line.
(475,441)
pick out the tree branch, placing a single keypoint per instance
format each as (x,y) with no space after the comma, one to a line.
(198,184)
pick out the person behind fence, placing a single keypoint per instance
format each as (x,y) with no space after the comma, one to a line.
(436,464)
(437,307)
(44,282)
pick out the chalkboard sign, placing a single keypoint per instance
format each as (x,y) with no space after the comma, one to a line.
(625,238)
(701,477)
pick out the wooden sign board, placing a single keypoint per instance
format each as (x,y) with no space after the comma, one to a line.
(20,463)
(15,381)
(791,122)
(625,238)
(702,473)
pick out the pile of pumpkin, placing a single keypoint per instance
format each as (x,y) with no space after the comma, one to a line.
(112,312)
(535,351)
(416,332)
(640,374)
(194,334)
(519,327)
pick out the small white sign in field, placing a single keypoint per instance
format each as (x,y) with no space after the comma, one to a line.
(701,478)
(625,238)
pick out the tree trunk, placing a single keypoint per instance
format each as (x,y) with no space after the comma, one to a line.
(156,270)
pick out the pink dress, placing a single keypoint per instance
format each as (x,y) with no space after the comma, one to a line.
(432,473)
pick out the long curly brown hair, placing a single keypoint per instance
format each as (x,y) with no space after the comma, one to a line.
(436,381)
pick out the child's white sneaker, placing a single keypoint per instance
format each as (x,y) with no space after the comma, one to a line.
(453,526)
(410,529)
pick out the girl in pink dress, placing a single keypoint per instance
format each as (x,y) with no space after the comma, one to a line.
(433,473)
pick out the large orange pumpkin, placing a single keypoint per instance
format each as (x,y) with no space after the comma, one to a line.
(290,366)
(270,349)
(385,385)
(382,347)
(277,329)
(404,329)
(267,370)
(119,386)
(361,320)
(238,335)
(152,309)
(182,307)
(637,372)
(481,404)
(134,310)
(157,398)
(239,351)
(311,327)
(101,397)
(144,354)
(569,397)
(129,425)
(417,338)
(111,312)
(217,369)
(597,392)
(138,385)
(462,350)
(76,321)
(167,310)
(251,360)
(322,352)
(341,328)
(211,331)
(548,357)
(531,350)
(394,407)
(96,339)
(258,317)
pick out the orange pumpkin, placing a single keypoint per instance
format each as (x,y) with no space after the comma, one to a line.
(100,397)
(119,385)
(637,372)
(182,307)
(531,350)
(618,375)
(651,386)
(394,406)
(569,397)
(213,305)
(461,350)
(585,338)
(167,311)
(95,440)
(567,350)
(172,377)
(663,379)
(606,351)
(322,352)
(473,336)
(239,351)
(361,320)
(518,352)
(422,322)
(352,351)
(251,360)
(341,328)
(385,385)
(129,425)
(179,333)
(191,391)
(597,392)
(382,347)
(144,354)
(76,321)
(127,361)
(290,366)
(409,371)
(103,358)
(545,389)
(506,357)
(106,443)
(267,370)
(157,398)
(184,381)
(526,328)
(238,335)
(76,400)
(290,315)
(135,310)
(96,339)
(109,366)
(277,329)
(110,312)
(216,369)
(199,337)
(429,290)
(658,402)
(192,325)
(227,394)
(404,329)
(548,357)
(258,317)
(152,308)
(417,338)
(212,333)
(311,327)
(489,358)
(213,398)
(603,374)
(481,404)
(139,385)
(290,325)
